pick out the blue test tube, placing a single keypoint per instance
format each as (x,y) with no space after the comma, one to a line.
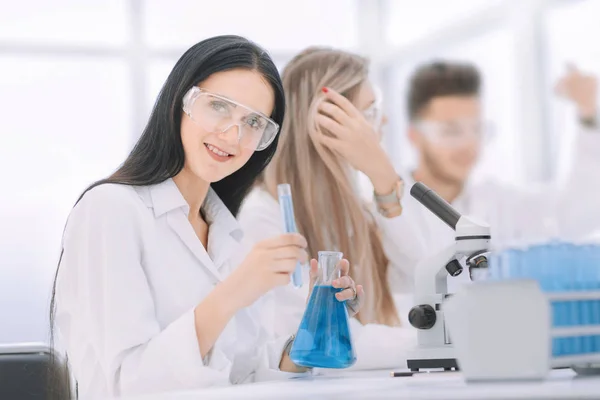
(563,265)
(595,278)
(284,191)
(591,280)
(576,264)
(552,262)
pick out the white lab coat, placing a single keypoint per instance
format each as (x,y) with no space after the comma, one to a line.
(516,216)
(132,272)
(377,346)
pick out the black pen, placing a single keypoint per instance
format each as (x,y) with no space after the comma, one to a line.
(401,374)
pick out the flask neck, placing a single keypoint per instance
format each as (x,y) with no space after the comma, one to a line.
(329,269)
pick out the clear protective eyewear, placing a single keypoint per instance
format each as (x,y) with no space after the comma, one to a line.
(218,114)
(455,133)
(374,114)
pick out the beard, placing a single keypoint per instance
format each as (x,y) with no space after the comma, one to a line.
(438,171)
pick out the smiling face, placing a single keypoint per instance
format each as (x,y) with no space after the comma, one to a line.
(213,154)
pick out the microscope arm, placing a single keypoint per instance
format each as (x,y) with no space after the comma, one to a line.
(425,287)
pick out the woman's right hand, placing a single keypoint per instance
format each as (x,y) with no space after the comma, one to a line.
(267,266)
(354,139)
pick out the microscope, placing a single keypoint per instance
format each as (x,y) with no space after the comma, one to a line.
(434,347)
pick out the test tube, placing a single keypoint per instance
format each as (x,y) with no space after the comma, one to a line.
(595,264)
(284,191)
(586,283)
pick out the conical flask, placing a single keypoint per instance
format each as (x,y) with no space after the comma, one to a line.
(323,339)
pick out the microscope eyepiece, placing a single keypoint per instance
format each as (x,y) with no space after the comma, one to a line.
(435,204)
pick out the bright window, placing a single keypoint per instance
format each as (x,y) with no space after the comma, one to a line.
(570,31)
(89,22)
(274,24)
(410,21)
(65,123)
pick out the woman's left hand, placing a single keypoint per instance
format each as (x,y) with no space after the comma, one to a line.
(355,140)
(351,293)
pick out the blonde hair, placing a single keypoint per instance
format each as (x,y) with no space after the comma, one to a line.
(329,211)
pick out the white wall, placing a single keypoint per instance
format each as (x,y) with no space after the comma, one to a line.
(571,31)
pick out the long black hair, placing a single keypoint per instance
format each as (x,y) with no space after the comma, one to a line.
(158,155)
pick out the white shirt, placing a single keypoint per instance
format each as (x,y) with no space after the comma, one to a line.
(515,216)
(376,346)
(132,272)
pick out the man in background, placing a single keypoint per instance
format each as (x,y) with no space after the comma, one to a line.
(448,132)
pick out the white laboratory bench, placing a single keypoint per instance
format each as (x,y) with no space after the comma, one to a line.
(561,384)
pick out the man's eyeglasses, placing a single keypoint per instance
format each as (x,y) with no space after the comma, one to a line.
(455,133)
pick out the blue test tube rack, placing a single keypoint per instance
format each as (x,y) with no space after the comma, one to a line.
(569,276)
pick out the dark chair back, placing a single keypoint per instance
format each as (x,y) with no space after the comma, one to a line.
(28,372)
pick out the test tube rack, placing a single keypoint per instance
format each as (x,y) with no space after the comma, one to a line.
(569,276)
(575,328)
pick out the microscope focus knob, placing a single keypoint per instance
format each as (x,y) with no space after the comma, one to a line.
(454,268)
(422,316)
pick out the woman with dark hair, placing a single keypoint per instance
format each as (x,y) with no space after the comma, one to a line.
(146,298)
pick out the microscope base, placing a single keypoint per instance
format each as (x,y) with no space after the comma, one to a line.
(432,357)
(448,364)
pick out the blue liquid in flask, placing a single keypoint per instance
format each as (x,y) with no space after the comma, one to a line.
(324,339)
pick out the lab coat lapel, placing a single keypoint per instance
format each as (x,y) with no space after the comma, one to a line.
(178,221)
(225,234)
(168,201)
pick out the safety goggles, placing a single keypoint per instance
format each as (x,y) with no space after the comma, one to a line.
(374,114)
(455,133)
(218,114)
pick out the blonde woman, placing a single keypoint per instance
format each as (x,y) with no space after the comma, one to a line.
(331,132)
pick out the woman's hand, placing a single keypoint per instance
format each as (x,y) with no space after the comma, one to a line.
(355,140)
(268,265)
(580,88)
(352,294)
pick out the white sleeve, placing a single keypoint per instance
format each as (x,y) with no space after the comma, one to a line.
(399,241)
(272,352)
(283,307)
(259,221)
(578,209)
(570,211)
(403,243)
(105,295)
(381,346)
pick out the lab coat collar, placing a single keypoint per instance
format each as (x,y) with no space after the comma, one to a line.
(166,197)
(224,232)
(218,216)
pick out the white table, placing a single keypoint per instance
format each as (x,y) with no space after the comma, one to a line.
(561,384)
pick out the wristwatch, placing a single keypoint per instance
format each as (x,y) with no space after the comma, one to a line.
(389,203)
(288,345)
(288,348)
(590,122)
